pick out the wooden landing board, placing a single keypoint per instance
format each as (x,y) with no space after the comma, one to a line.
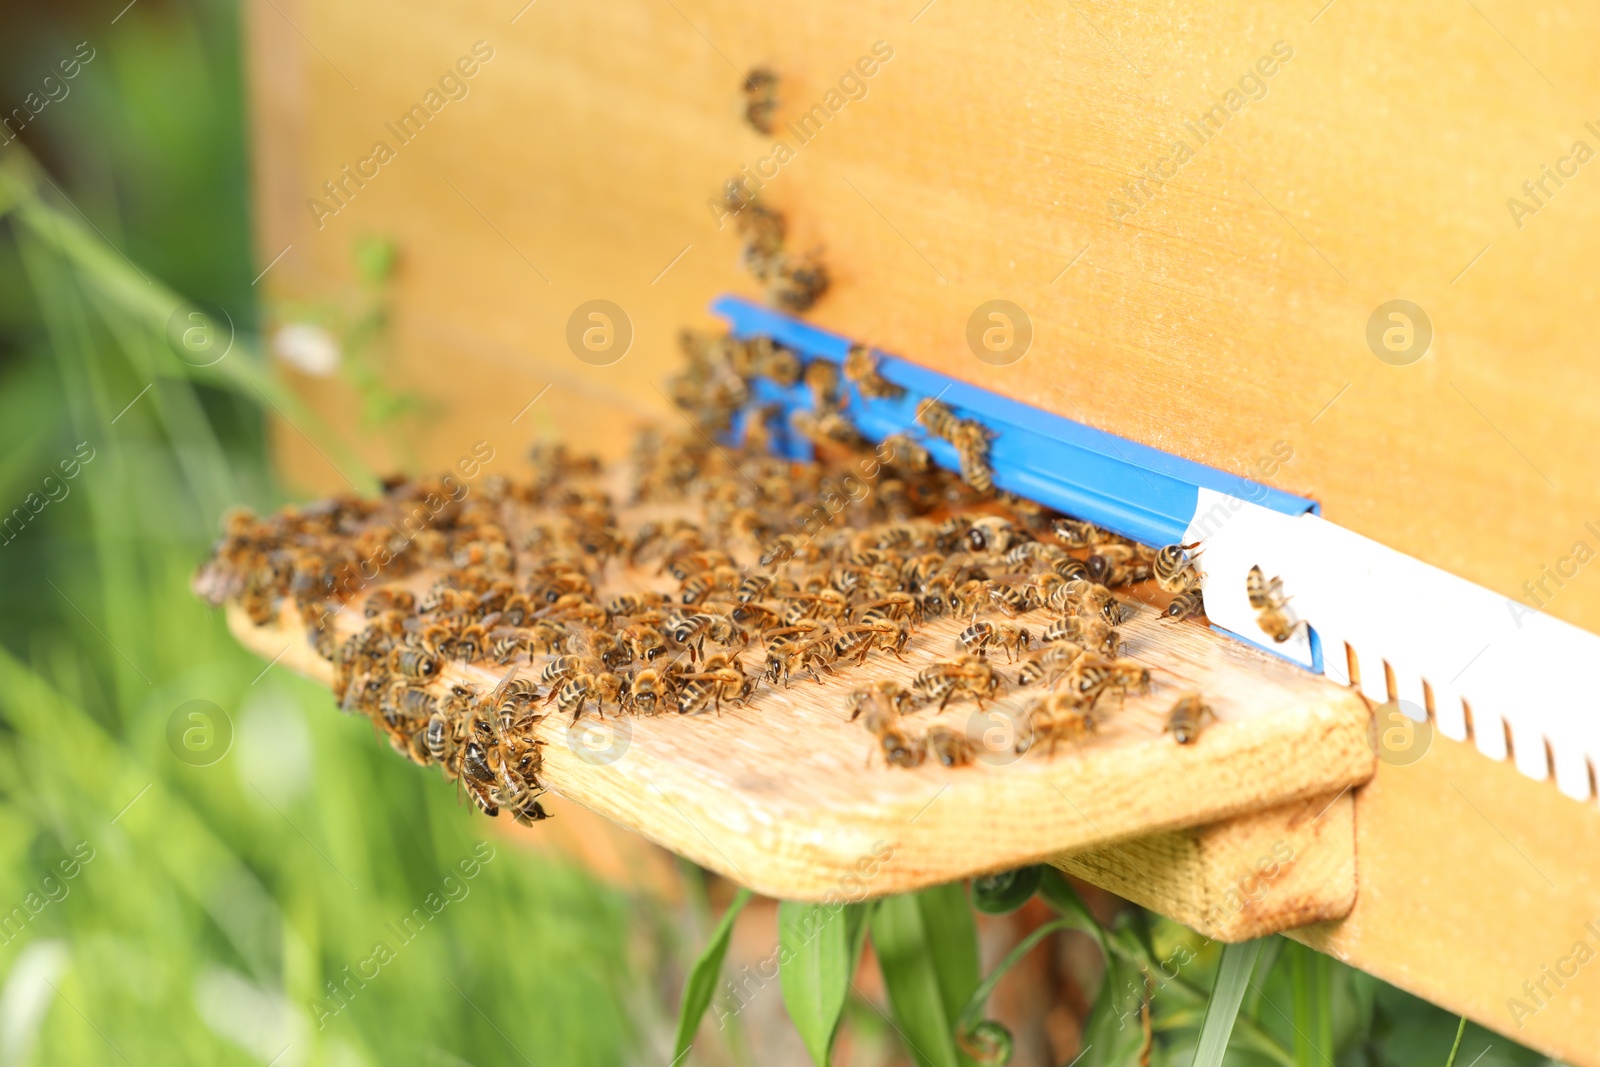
(779,795)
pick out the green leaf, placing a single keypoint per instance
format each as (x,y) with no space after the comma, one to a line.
(1006,891)
(702,982)
(985,1040)
(927,947)
(1233,978)
(819,947)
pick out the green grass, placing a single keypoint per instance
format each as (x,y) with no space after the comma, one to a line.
(217,902)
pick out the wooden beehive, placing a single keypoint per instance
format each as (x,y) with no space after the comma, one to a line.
(995,152)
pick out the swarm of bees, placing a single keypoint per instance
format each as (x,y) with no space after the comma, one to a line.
(555,584)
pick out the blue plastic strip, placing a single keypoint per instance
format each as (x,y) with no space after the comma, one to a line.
(1122,485)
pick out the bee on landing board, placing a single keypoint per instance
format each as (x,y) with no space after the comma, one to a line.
(1054,719)
(900,747)
(1188,717)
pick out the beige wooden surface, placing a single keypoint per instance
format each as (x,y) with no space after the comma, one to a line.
(1221,317)
(1248,877)
(789,797)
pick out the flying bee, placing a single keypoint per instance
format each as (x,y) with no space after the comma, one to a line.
(1092,632)
(861,369)
(885,694)
(1268,600)
(760,98)
(1117,564)
(1185,605)
(967,676)
(1174,569)
(947,746)
(1053,719)
(899,746)
(1051,662)
(976,639)
(389,598)
(1188,716)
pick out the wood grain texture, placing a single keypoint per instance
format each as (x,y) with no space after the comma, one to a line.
(1224,314)
(788,797)
(1248,877)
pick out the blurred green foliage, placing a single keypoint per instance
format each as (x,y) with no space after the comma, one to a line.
(217,901)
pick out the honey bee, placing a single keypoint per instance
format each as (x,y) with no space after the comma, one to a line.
(948,747)
(937,419)
(860,638)
(1187,717)
(1174,569)
(976,639)
(649,688)
(822,378)
(1186,605)
(1051,662)
(1053,719)
(720,678)
(1075,533)
(699,586)
(861,369)
(752,586)
(642,642)
(771,360)
(415,663)
(635,603)
(826,427)
(791,650)
(1092,632)
(991,533)
(967,676)
(1268,600)
(584,686)
(797,281)
(1118,564)
(971,441)
(390,599)
(900,747)
(1070,568)
(1011,599)
(1092,676)
(904,452)
(760,98)
(692,631)
(886,694)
